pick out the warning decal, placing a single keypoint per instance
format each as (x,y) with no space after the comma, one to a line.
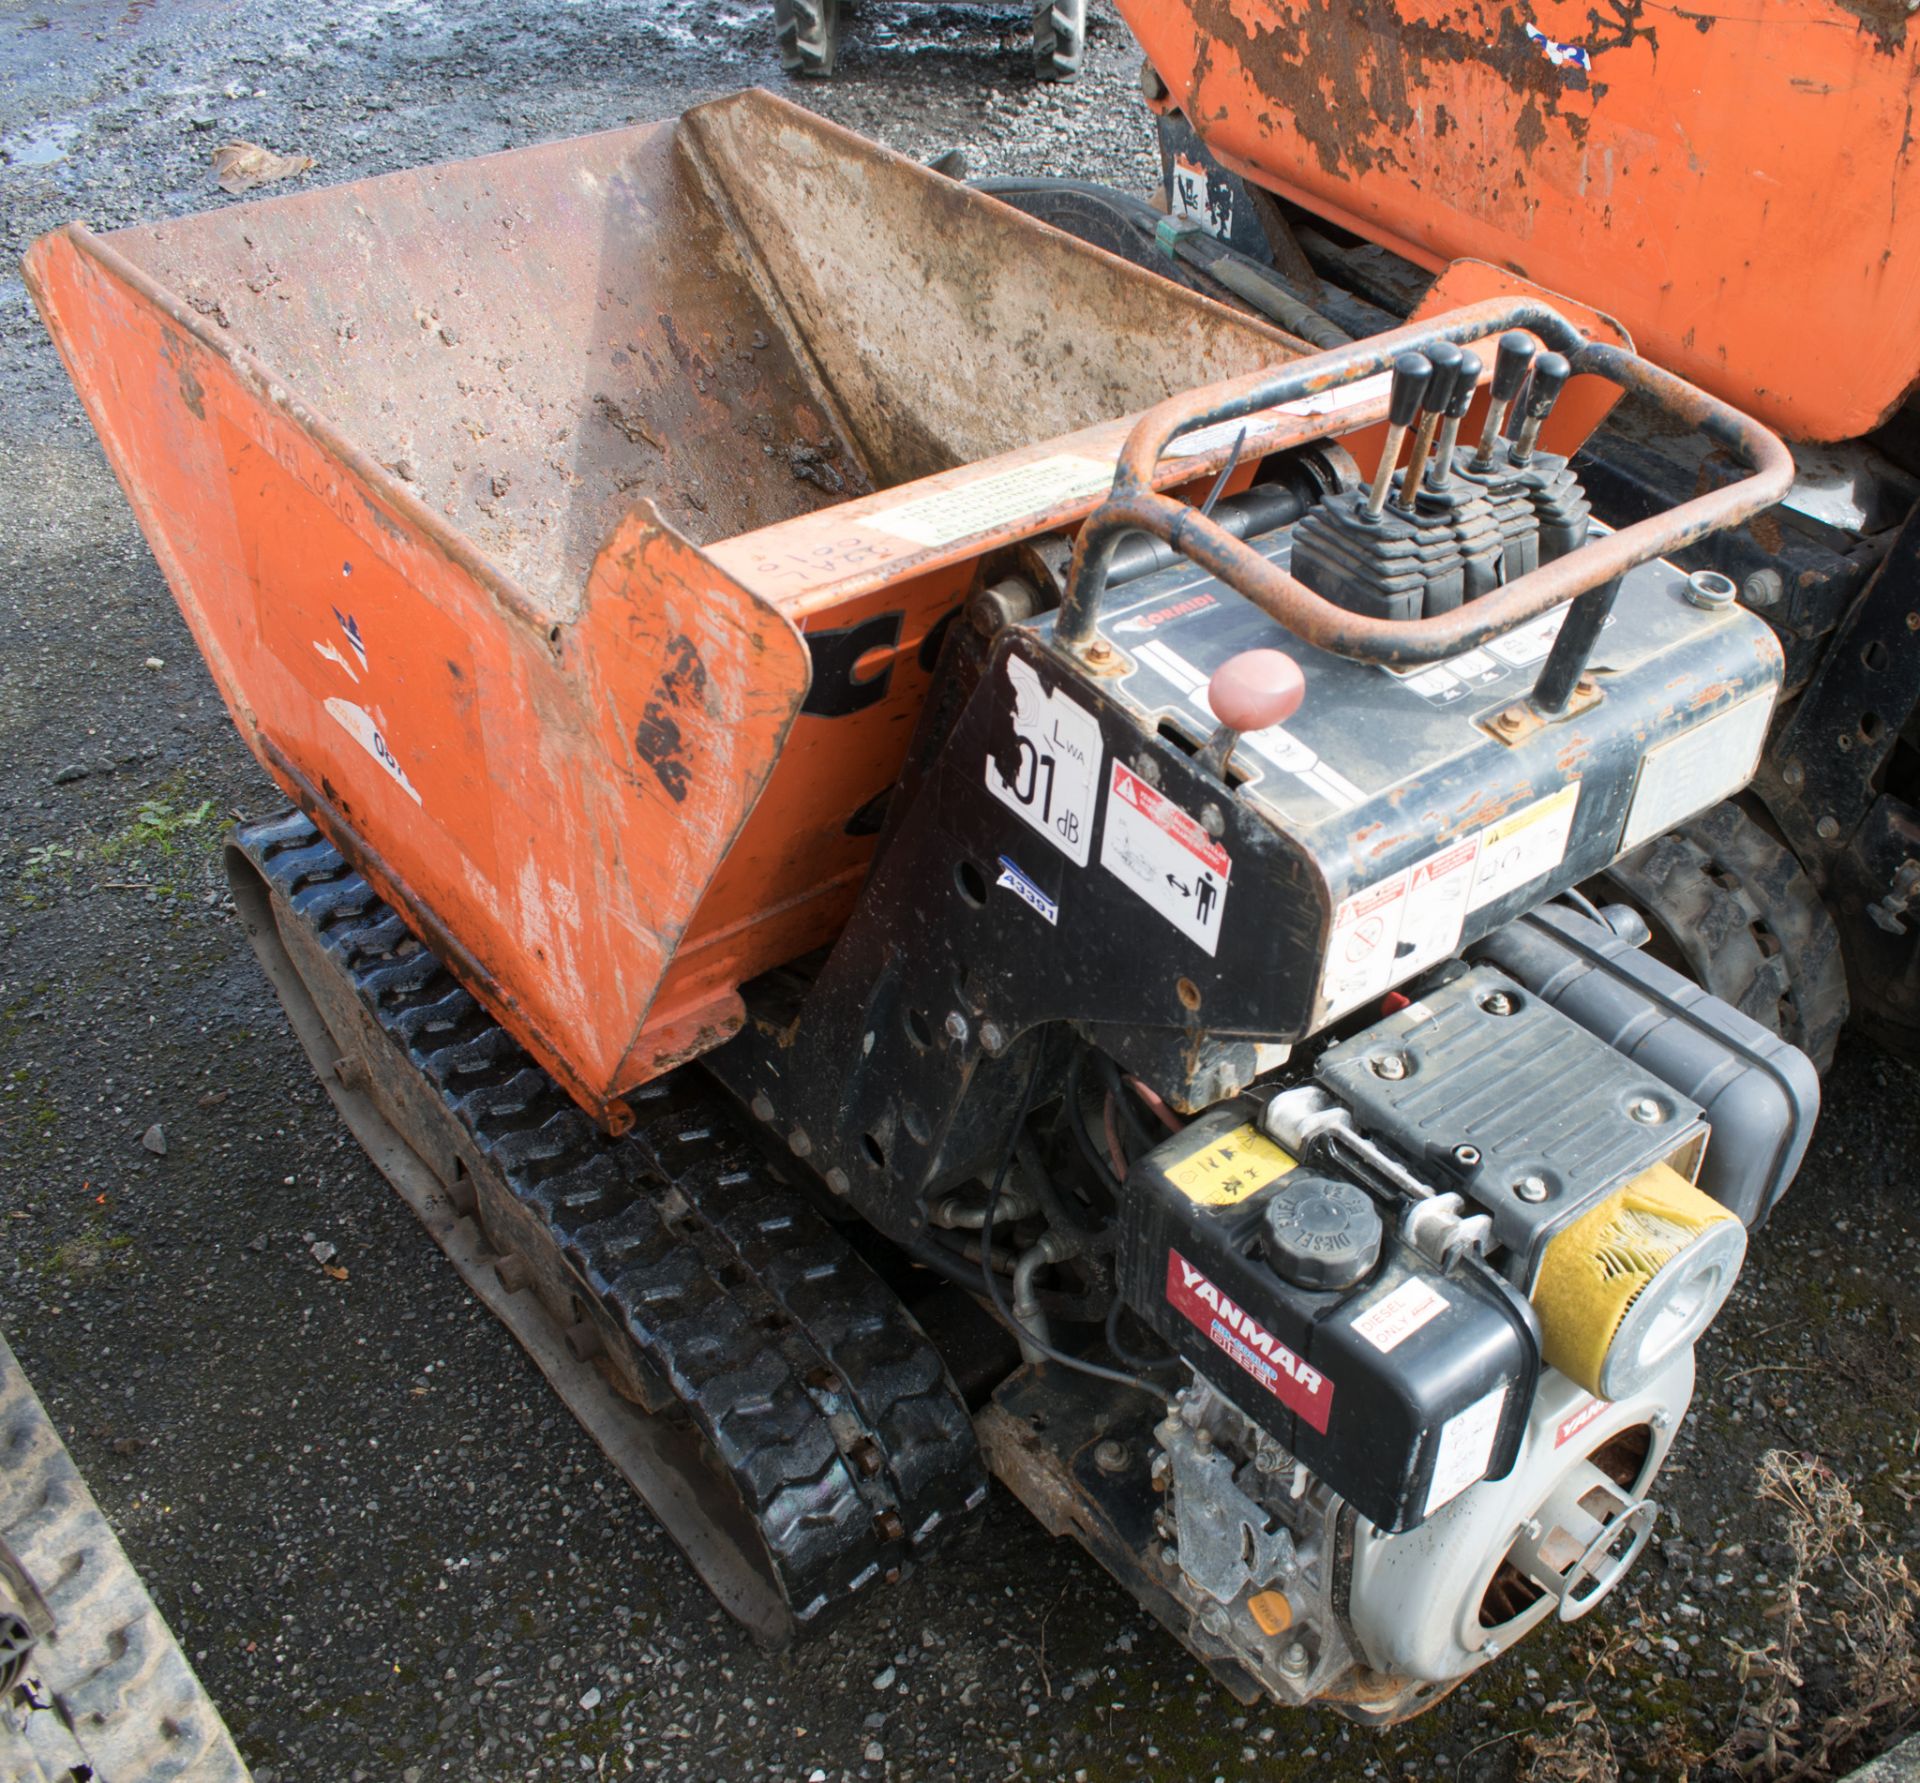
(1413,919)
(1044,762)
(1466,1448)
(1154,847)
(1519,849)
(1234,1166)
(1303,1390)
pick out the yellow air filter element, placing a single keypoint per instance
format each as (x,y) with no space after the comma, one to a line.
(1633,1281)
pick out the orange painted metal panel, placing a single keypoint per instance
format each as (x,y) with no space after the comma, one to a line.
(1736,182)
(512,503)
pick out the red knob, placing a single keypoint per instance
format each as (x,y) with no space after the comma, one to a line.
(1257,688)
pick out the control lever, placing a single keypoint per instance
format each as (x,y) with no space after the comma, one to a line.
(1412,372)
(1466,380)
(1249,692)
(1550,374)
(1445,358)
(1511,363)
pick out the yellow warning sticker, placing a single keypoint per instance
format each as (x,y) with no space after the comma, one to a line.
(1234,1166)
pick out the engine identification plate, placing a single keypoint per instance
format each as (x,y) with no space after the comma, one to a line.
(1231,1168)
(1698,768)
(1048,767)
(1155,849)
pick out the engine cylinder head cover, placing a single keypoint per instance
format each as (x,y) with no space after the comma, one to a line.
(1321,1232)
(1634,1280)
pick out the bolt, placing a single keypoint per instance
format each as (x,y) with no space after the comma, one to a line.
(1466,1156)
(1531,1529)
(1493,1649)
(1099,651)
(992,1039)
(1763,588)
(1647,1111)
(1295,1660)
(1827,829)
(1661,1420)
(1531,1187)
(1390,1065)
(1169,1554)
(1497,1003)
(1151,85)
(1213,822)
(1509,720)
(799,1144)
(762,1108)
(890,1527)
(957,1029)
(1202,1437)
(1271,1458)
(1110,1456)
(1214,1620)
(838,1181)
(1793,775)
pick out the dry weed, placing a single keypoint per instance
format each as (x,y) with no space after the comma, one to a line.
(1871,1601)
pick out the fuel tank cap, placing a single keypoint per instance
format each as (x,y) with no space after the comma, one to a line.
(1321,1232)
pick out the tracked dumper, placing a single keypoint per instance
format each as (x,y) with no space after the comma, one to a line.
(878,852)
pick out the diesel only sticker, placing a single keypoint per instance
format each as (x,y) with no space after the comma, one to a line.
(1155,848)
(1044,762)
(1302,1389)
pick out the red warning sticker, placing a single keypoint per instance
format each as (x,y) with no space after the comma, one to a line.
(1155,847)
(1303,1390)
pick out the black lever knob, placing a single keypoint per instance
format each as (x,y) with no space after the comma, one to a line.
(1510,365)
(1445,358)
(1412,373)
(1466,381)
(1550,375)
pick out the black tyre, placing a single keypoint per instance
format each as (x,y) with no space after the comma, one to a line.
(1730,907)
(807,35)
(1059,38)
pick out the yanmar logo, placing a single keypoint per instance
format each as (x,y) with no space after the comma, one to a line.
(1303,1390)
(1569,1427)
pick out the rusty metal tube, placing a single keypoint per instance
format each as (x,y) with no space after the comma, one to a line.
(1409,643)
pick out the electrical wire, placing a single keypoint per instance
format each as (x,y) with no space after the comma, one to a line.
(1116,1376)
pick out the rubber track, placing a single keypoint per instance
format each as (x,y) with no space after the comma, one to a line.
(122,1697)
(1747,922)
(814,1389)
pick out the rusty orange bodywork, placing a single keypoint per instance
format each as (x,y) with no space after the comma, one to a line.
(516,504)
(1736,183)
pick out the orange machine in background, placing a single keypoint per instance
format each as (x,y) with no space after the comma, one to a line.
(1736,183)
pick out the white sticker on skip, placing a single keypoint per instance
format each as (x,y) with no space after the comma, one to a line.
(987,503)
(1274,420)
(1154,847)
(1390,1322)
(358,723)
(1044,762)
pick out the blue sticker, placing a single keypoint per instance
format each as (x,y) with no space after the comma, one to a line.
(1561,55)
(1026,891)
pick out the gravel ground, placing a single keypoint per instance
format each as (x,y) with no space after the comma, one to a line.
(389,1552)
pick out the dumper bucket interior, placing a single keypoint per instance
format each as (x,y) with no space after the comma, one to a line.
(541,517)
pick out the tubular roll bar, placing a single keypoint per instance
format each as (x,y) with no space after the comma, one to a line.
(1134,505)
